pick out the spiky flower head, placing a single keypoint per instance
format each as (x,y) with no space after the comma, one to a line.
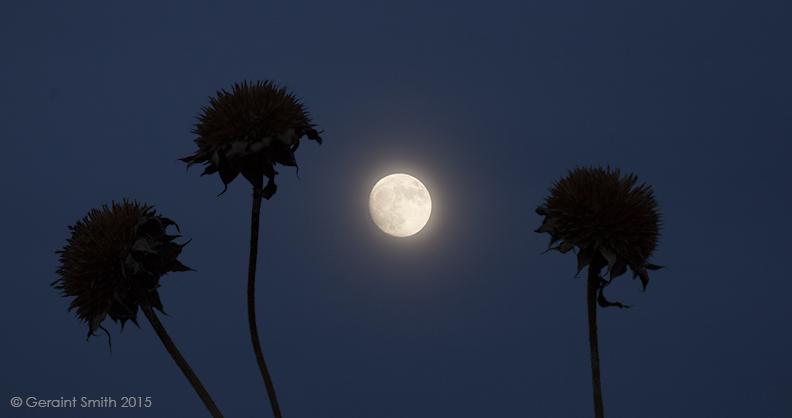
(598,212)
(113,254)
(248,131)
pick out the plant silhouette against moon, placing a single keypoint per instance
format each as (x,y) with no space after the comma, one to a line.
(248,131)
(612,224)
(112,266)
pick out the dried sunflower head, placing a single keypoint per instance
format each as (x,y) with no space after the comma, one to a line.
(598,212)
(113,253)
(248,131)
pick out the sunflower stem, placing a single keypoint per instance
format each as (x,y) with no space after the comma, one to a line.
(251,294)
(591,299)
(174,352)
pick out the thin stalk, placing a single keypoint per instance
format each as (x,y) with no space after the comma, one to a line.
(591,299)
(251,295)
(174,352)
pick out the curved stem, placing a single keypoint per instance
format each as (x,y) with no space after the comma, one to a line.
(174,352)
(251,297)
(591,299)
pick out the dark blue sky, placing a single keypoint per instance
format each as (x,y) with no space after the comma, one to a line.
(487,103)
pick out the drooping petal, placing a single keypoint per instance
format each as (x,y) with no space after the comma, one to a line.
(584,258)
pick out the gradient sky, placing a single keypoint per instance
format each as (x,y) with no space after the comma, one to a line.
(487,103)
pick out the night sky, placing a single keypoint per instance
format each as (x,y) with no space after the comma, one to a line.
(487,103)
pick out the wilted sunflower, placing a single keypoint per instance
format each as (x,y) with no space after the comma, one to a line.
(113,255)
(248,131)
(612,224)
(112,265)
(596,211)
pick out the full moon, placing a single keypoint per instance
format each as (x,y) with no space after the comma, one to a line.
(400,205)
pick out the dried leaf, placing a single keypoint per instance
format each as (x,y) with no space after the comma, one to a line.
(604,302)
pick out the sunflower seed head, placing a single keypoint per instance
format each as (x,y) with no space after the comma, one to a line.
(249,130)
(597,211)
(112,250)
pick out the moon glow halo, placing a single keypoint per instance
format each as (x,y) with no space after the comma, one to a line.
(400,205)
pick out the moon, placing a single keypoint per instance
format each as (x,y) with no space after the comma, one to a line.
(400,205)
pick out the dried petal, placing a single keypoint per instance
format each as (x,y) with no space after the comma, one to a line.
(584,258)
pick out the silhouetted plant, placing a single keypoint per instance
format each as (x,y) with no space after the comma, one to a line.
(112,266)
(249,131)
(612,224)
